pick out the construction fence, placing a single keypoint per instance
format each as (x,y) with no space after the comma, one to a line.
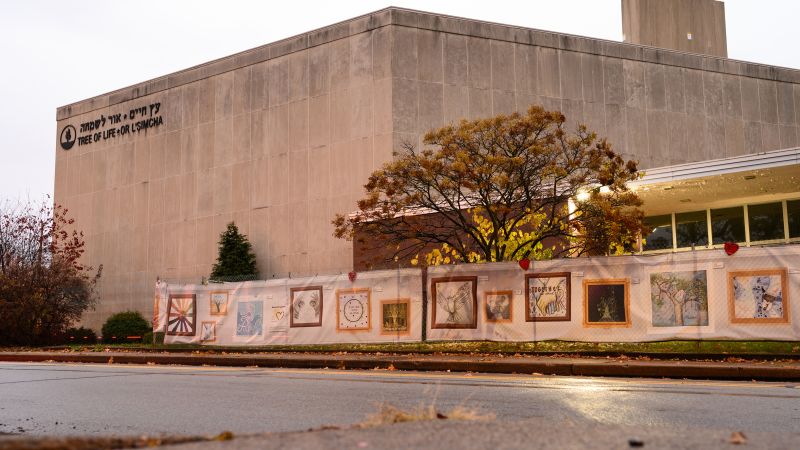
(689,295)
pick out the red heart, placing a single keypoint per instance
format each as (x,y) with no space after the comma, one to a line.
(731,248)
(524,263)
(352,275)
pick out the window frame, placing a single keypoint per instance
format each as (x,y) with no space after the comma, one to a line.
(710,229)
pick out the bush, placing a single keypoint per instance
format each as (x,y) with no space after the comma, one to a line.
(153,338)
(128,326)
(80,335)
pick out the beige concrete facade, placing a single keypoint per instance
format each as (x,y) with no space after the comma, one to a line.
(696,26)
(282,137)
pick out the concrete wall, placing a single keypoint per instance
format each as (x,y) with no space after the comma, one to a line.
(668,23)
(657,106)
(278,147)
(282,137)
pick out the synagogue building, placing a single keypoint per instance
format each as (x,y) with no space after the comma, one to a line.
(280,138)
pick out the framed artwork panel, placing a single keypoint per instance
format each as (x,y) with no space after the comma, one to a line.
(278,318)
(305,306)
(758,296)
(181,315)
(218,303)
(353,309)
(396,316)
(606,303)
(454,302)
(249,318)
(208,331)
(679,298)
(548,297)
(498,306)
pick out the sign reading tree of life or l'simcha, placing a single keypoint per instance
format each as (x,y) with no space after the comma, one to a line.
(353,308)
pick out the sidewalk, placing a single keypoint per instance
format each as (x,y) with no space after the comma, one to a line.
(551,365)
(532,433)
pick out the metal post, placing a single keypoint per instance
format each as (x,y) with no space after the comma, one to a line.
(424,303)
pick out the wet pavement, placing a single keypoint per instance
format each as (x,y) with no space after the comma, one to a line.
(82,399)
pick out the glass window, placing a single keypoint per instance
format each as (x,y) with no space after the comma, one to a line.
(793,208)
(691,229)
(766,221)
(661,236)
(727,225)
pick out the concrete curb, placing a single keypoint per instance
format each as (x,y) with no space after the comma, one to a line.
(530,365)
(556,354)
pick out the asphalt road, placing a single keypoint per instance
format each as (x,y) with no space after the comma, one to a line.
(59,399)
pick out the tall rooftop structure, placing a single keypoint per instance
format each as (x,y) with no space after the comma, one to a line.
(694,26)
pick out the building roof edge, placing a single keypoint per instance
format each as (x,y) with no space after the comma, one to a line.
(743,163)
(434,22)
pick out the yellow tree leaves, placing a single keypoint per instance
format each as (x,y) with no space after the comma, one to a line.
(498,189)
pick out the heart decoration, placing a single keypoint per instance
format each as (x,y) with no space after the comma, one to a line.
(524,263)
(731,248)
(279,314)
(352,275)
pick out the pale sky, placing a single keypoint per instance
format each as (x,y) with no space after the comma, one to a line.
(58,52)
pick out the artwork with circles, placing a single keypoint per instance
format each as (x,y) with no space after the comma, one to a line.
(353,307)
(305,305)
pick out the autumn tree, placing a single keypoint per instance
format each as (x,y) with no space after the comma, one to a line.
(235,259)
(44,288)
(500,189)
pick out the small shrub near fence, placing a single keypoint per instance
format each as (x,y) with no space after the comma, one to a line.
(150,338)
(128,326)
(80,335)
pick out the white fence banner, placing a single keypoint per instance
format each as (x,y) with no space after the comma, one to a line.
(378,306)
(687,295)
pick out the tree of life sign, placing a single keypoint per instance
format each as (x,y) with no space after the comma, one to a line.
(353,306)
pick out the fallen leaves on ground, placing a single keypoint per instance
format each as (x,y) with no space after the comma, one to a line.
(95,443)
(224,436)
(738,438)
(389,414)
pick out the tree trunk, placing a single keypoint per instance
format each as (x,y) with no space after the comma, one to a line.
(678,306)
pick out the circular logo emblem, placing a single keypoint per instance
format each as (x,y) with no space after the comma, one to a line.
(67,138)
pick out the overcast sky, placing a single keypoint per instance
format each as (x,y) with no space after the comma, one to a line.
(58,52)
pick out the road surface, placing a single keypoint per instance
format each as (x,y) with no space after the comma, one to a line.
(62,399)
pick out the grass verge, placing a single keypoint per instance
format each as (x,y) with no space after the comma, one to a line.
(666,348)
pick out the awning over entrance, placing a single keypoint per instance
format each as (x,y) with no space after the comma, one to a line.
(760,177)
